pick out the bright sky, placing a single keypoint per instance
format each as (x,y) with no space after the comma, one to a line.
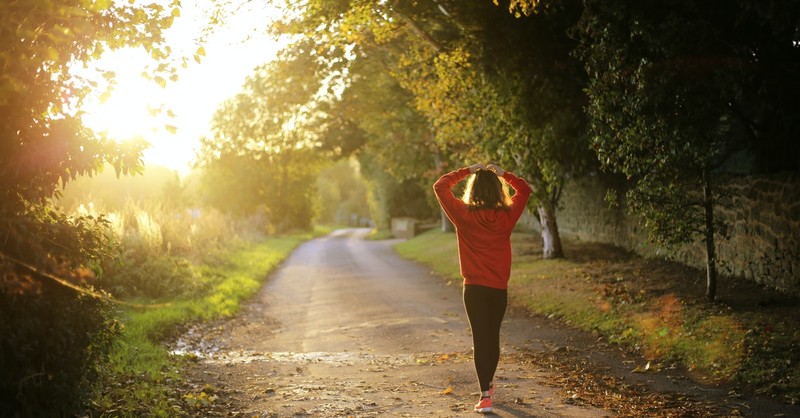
(232,52)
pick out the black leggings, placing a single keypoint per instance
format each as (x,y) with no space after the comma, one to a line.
(485,310)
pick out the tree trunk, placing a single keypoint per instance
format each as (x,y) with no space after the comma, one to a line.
(711,257)
(551,240)
(447,226)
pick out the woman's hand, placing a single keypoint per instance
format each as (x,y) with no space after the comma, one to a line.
(497,170)
(475,167)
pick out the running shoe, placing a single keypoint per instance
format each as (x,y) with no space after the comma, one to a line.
(484,406)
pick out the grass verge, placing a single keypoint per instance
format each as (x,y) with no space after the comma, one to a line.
(751,337)
(141,376)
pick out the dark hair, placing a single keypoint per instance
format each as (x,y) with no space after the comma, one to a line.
(486,191)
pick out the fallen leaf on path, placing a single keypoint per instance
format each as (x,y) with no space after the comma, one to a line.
(642,369)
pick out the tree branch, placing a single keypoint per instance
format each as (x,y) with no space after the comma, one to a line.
(417,30)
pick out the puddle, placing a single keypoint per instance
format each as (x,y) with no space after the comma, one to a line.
(201,349)
(213,355)
(196,343)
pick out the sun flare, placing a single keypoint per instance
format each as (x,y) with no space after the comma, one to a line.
(127,113)
(173,118)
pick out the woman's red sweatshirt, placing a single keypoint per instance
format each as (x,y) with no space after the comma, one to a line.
(484,236)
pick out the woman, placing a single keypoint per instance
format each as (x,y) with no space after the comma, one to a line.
(484,219)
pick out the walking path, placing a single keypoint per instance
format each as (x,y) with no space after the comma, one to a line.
(347,328)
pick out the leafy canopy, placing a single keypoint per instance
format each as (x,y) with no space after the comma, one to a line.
(42,141)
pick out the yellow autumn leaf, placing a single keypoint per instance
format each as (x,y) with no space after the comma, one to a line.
(448,390)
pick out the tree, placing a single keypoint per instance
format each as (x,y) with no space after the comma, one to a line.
(42,141)
(342,194)
(51,326)
(398,155)
(276,187)
(508,89)
(487,83)
(368,114)
(260,158)
(677,89)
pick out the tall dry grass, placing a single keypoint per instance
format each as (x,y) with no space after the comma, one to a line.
(158,244)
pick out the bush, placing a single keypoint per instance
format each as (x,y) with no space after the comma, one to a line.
(157,245)
(52,342)
(154,277)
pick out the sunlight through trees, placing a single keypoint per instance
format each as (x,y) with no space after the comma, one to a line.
(364,106)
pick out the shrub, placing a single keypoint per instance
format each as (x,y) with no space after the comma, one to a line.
(157,244)
(52,342)
(53,332)
(153,277)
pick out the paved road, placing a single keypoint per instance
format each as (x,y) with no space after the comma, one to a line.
(347,328)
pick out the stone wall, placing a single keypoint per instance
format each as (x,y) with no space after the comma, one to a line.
(762,214)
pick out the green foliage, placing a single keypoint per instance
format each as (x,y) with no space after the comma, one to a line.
(670,105)
(389,197)
(398,156)
(174,267)
(53,335)
(675,91)
(397,138)
(43,239)
(342,194)
(506,89)
(139,379)
(53,342)
(155,245)
(261,159)
(276,189)
(42,141)
(653,119)
(435,249)
(153,277)
(457,82)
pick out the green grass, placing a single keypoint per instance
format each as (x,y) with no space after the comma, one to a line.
(437,250)
(629,302)
(141,374)
(379,234)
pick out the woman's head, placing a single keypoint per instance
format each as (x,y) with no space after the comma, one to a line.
(485,191)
